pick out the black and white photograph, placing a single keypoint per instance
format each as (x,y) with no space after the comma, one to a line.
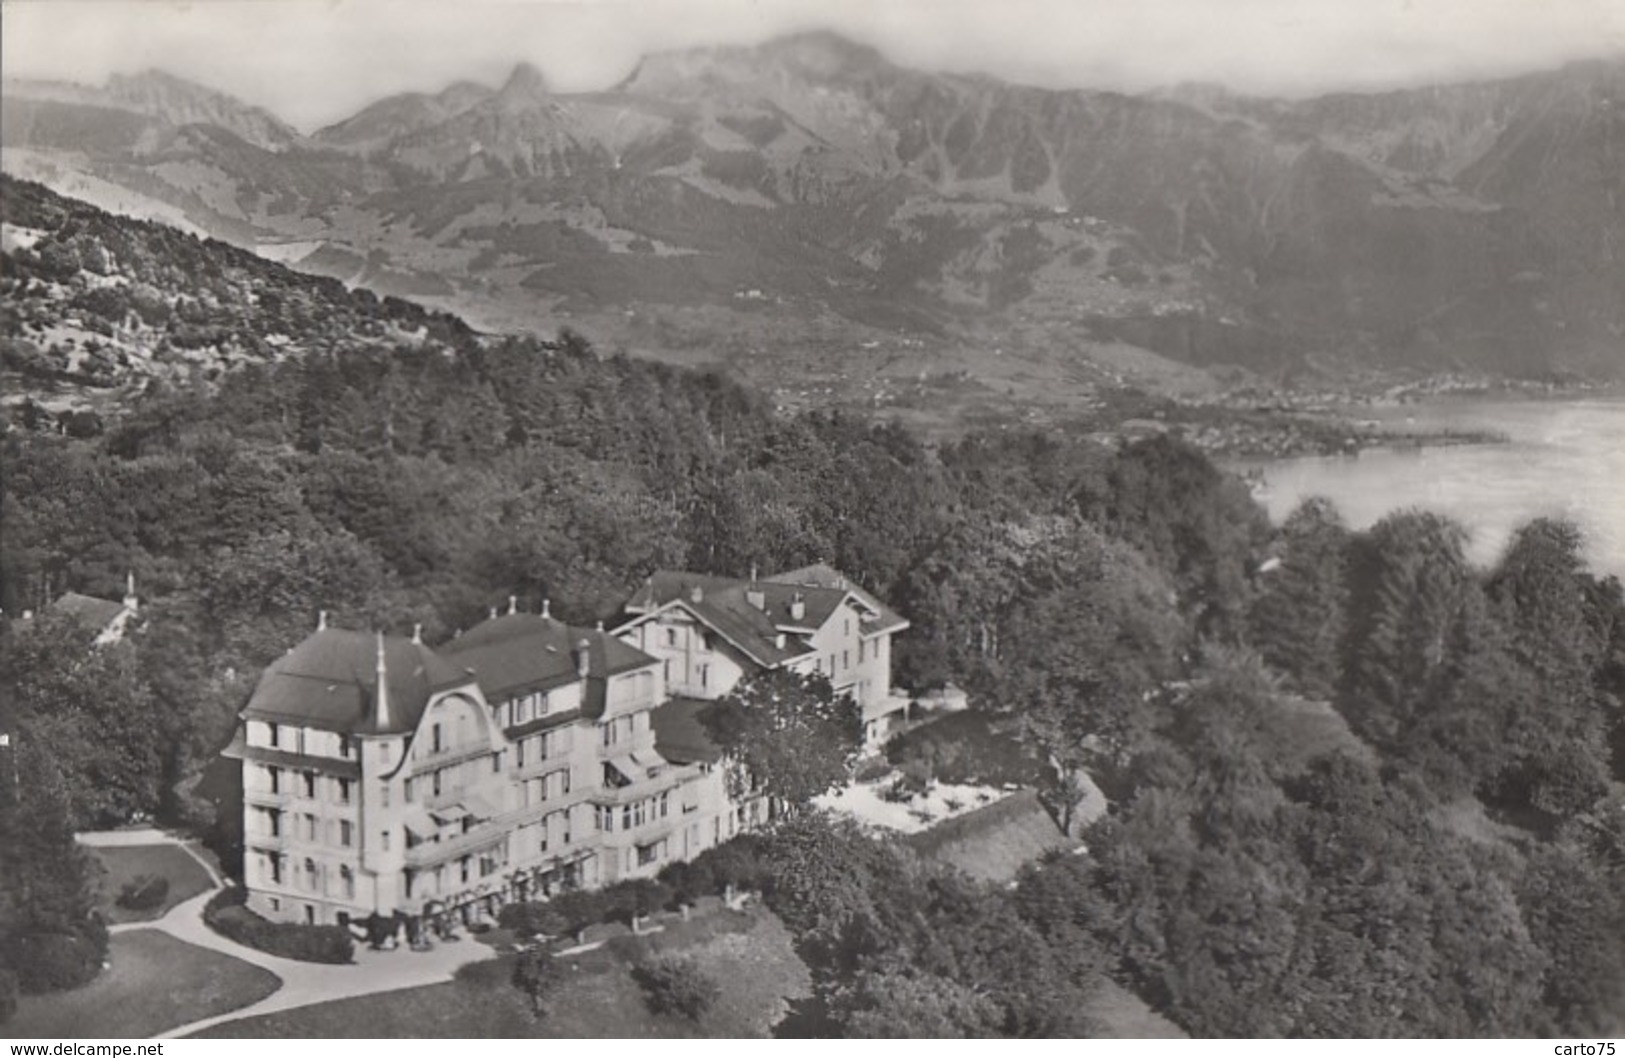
(777,519)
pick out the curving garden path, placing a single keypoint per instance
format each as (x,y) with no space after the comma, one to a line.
(303,983)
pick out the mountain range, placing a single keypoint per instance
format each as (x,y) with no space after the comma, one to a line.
(809,210)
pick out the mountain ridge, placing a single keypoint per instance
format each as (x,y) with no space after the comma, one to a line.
(1471,227)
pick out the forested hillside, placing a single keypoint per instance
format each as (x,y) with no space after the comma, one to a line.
(1456,866)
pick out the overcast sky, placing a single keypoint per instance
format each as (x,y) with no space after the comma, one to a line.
(314,61)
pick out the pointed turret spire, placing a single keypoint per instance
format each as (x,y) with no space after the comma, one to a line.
(381,704)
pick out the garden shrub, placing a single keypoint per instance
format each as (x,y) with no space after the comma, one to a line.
(55,960)
(227,916)
(144,893)
(674,984)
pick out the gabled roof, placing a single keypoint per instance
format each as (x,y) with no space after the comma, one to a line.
(90,613)
(329,681)
(753,614)
(519,653)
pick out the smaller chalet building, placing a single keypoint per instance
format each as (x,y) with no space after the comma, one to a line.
(711,632)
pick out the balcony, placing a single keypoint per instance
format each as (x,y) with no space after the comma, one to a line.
(268,799)
(447,756)
(430,853)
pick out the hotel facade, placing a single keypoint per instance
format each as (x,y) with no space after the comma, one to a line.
(385,776)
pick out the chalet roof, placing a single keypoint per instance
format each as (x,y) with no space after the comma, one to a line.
(89,612)
(330,681)
(680,737)
(752,614)
(520,653)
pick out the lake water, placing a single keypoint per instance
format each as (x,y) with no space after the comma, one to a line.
(1564,458)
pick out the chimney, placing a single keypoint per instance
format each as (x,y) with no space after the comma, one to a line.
(131,603)
(583,658)
(380,715)
(756,597)
(513,604)
(547,607)
(753,573)
(491,614)
(798,607)
(321,620)
(417,634)
(698,594)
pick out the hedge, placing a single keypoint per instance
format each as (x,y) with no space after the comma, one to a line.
(55,960)
(227,916)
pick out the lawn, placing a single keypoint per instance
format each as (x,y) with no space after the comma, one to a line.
(122,864)
(749,954)
(155,983)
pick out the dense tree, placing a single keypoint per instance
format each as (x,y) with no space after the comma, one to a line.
(795,738)
(1298,616)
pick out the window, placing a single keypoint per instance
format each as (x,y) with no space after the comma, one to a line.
(860,651)
(626,817)
(434,777)
(310,827)
(347,877)
(274,819)
(664,799)
(434,739)
(705,675)
(383,843)
(275,735)
(276,779)
(346,833)
(274,863)
(462,866)
(846,659)
(383,796)
(411,792)
(496,762)
(383,752)
(344,746)
(310,914)
(309,779)
(609,733)
(276,903)
(310,873)
(564,781)
(344,791)
(671,637)
(846,627)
